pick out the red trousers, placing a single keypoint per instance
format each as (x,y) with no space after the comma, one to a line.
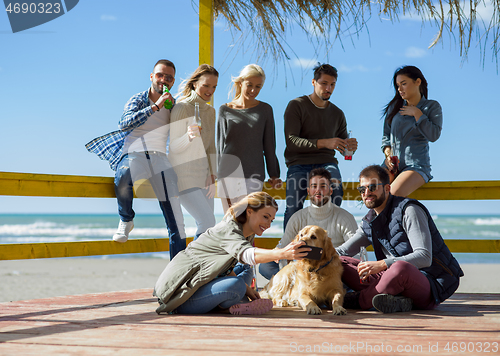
(401,278)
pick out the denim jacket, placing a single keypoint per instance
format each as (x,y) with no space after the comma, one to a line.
(411,138)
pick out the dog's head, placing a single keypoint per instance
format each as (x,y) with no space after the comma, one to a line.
(313,235)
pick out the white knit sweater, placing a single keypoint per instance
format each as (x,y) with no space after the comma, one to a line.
(194,160)
(339,223)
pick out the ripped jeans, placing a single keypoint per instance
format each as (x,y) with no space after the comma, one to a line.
(156,168)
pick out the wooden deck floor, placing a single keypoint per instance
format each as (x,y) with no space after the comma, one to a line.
(125,323)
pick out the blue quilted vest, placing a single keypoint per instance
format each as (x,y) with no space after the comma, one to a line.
(386,229)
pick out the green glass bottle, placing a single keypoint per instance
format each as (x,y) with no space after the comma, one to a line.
(167,104)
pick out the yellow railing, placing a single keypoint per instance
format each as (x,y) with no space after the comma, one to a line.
(49,185)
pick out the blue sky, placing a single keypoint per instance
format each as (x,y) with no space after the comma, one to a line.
(65,82)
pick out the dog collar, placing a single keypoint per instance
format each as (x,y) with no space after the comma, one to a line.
(326,264)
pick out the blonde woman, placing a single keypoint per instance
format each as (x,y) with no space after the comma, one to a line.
(192,149)
(201,278)
(245,138)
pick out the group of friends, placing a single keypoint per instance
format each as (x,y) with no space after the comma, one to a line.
(180,148)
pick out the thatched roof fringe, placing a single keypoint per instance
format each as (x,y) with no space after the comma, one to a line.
(325,21)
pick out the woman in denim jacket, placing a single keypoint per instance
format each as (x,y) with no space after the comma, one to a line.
(411,121)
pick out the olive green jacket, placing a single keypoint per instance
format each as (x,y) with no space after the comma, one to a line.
(213,254)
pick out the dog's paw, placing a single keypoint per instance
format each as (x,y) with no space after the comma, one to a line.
(281,303)
(338,310)
(313,309)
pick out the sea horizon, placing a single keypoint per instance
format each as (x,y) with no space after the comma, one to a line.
(72,227)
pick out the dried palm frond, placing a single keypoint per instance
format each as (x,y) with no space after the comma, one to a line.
(324,21)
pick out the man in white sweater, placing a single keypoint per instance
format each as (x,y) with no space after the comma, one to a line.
(339,223)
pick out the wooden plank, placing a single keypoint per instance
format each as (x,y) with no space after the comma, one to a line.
(50,185)
(81,248)
(98,248)
(206,32)
(125,323)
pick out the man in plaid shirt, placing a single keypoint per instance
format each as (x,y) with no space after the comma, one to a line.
(138,151)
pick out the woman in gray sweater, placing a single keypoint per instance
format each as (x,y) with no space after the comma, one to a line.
(201,278)
(245,137)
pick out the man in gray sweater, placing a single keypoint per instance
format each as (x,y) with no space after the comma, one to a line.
(314,129)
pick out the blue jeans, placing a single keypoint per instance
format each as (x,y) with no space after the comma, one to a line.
(269,269)
(297,180)
(200,207)
(159,172)
(244,271)
(222,291)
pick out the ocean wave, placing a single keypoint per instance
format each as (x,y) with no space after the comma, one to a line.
(487,221)
(490,234)
(36,239)
(48,229)
(274,230)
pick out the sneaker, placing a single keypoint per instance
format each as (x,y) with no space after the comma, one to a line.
(124,228)
(387,303)
(351,300)
(255,307)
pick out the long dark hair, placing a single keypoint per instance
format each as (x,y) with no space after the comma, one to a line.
(396,103)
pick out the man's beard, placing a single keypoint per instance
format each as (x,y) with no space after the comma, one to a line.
(327,98)
(320,202)
(157,89)
(375,203)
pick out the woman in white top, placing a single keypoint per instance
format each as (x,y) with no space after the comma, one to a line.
(192,148)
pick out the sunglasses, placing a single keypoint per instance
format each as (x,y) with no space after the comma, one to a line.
(371,188)
(167,77)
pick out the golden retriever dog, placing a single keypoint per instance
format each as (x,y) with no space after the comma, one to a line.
(307,283)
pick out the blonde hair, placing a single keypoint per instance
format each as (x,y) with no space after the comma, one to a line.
(254,201)
(187,85)
(250,70)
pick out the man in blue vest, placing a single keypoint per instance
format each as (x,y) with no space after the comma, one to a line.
(414,267)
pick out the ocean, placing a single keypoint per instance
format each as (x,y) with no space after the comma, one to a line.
(36,228)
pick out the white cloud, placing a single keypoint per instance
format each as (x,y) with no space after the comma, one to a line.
(484,11)
(415,52)
(108,18)
(304,62)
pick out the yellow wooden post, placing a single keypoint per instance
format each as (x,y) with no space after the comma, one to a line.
(206,32)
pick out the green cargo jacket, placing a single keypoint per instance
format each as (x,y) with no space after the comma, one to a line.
(214,253)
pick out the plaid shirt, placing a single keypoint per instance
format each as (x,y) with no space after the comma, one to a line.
(110,146)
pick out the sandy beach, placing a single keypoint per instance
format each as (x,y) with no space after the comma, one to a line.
(43,278)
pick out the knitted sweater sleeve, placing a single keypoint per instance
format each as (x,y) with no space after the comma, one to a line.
(272,164)
(179,122)
(211,150)
(292,229)
(347,225)
(293,125)
(352,246)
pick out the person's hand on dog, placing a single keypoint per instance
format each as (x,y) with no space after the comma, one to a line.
(296,250)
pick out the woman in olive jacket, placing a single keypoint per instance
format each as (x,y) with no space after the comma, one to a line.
(201,278)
